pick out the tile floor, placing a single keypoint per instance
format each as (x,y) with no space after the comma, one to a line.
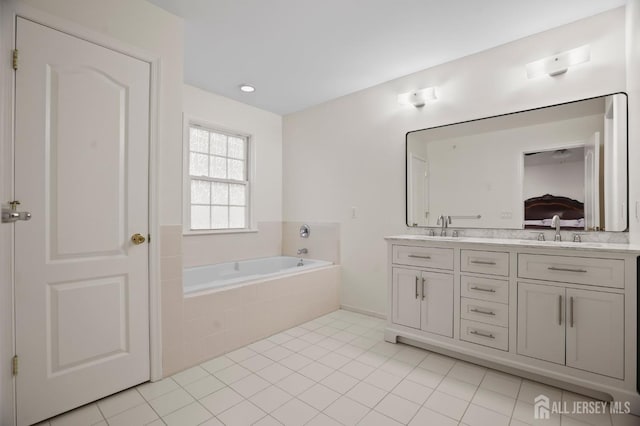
(334,370)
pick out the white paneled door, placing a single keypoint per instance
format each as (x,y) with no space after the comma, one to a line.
(81,169)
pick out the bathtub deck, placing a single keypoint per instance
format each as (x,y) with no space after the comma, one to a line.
(334,370)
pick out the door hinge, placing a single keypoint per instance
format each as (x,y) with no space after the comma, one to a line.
(14,365)
(15,59)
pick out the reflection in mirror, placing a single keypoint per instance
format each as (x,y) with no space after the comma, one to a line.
(519,170)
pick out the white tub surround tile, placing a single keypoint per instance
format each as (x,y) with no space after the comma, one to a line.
(207,249)
(225,321)
(323,241)
(172,298)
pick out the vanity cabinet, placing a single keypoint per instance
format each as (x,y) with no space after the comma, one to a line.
(423,300)
(560,313)
(582,329)
(484,300)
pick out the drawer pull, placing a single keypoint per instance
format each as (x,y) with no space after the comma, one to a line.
(477,333)
(423,280)
(553,268)
(482,262)
(488,290)
(479,311)
(416,256)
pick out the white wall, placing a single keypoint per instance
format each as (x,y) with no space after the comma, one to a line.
(563,179)
(265,129)
(633,89)
(349,152)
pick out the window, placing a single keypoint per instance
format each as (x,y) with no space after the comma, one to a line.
(218,180)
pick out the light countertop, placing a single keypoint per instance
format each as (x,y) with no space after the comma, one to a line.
(586,246)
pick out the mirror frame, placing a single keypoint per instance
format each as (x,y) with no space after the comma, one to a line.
(406,152)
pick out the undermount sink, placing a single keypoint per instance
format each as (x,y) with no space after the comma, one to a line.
(561,243)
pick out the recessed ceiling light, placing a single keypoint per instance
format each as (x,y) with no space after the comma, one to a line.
(247,88)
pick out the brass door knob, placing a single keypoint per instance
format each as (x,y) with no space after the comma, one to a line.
(137,239)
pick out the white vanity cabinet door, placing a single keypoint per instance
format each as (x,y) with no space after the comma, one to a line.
(405,298)
(541,330)
(595,332)
(437,303)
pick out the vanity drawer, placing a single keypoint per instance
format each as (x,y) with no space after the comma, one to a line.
(578,270)
(426,257)
(484,334)
(484,289)
(483,311)
(484,262)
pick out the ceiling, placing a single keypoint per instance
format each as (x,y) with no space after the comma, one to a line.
(300,53)
(558,156)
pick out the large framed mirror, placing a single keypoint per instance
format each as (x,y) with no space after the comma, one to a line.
(518,170)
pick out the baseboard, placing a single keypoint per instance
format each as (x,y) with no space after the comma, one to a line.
(364,311)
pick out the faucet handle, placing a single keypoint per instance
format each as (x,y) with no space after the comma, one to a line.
(449,219)
(440,219)
(577,238)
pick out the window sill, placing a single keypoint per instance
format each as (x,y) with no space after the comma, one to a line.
(190,233)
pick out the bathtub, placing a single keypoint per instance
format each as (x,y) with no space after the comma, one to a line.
(230,305)
(232,273)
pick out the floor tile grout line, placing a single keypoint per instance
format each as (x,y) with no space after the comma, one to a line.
(366,340)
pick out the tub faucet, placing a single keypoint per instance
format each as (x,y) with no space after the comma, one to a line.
(303,251)
(443,221)
(555,223)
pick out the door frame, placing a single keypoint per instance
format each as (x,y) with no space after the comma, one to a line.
(9,11)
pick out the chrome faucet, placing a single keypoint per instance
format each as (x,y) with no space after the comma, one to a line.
(555,223)
(303,251)
(443,221)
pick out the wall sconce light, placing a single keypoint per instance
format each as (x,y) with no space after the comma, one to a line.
(418,98)
(559,64)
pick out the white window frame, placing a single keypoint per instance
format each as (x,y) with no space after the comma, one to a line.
(188,122)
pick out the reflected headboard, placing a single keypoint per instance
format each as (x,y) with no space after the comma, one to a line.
(539,210)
